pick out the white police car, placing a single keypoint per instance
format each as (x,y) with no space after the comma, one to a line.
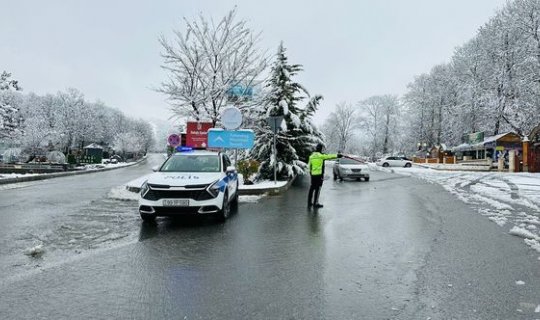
(190,182)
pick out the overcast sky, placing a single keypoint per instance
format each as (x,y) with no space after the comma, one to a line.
(350,50)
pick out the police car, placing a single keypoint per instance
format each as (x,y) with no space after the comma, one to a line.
(190,182)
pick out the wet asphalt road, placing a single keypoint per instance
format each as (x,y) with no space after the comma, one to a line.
(391,248)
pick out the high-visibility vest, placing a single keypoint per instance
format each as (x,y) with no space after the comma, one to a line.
(316,162)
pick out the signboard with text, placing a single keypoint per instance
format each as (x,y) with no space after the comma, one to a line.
(476,137)
(197,134)
(229,139)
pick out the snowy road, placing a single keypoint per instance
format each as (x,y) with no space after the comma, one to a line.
(510,200)
(396,247)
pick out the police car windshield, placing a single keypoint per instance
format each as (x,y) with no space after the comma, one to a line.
(191,163)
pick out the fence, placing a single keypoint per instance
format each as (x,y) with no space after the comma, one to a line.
(445,160)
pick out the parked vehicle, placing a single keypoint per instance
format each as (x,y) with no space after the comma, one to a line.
(114,159)
(192,182)
(392,161)
(346,168)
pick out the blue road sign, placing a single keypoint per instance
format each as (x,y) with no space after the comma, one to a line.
(240,91)
(228,139)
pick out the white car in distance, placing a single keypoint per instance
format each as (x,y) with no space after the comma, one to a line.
(394,161)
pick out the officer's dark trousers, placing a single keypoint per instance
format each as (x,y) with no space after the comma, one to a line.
(315,189)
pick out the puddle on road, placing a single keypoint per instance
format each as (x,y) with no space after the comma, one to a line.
(99,224)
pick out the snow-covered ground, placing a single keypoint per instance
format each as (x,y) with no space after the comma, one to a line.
(16,175)
(511,200)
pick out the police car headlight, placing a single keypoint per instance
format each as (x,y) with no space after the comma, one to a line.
(144,189)
(213,189)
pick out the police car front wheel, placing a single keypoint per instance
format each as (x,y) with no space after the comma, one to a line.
(148,217)
(225,211)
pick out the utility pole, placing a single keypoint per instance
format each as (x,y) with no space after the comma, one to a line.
(275,125)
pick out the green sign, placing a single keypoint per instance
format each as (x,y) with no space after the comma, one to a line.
(476,137)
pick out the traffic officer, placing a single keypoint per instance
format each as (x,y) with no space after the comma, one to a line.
(316,170)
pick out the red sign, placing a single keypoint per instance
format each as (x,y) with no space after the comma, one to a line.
(197,134)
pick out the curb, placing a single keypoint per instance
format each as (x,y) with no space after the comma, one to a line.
(62,174)
(268,191)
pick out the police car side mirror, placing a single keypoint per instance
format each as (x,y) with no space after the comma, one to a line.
(155,168)
(230,169)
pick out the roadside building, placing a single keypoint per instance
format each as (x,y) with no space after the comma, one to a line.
(93,153)
(491,147)
(501,145)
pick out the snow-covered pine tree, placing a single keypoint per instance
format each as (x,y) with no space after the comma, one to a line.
(10,121)
(299,135)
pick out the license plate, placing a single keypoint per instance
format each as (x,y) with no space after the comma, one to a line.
(175,202)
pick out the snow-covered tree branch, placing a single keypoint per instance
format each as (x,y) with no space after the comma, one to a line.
(205,62)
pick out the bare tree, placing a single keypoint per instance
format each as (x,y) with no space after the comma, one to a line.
(380,121)
(340,127)
(69,103)
(206,61)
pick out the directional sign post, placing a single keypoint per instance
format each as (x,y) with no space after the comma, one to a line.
(275,123)
(228,139)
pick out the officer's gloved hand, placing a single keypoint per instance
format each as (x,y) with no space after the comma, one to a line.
(339,155)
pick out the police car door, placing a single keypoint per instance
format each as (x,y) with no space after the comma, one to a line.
(231,177)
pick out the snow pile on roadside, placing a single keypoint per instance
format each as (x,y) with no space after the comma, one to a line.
(17,175)
(121,193)
(264,185)
(249,199)
(137,183)
(35,251)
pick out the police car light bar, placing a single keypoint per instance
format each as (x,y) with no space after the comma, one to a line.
(183,149)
